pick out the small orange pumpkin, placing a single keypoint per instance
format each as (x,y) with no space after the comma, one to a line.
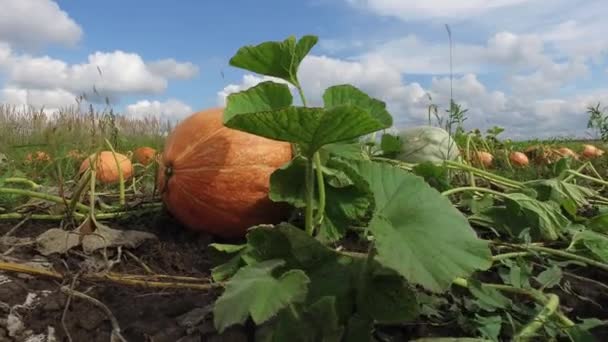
(144,155)
(483,158)
(216,179)
(75,154)
(566,152)
(107,168)
(590,151)
(39,156)
(518,159)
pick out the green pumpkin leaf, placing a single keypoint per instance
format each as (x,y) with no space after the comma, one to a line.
(257,111)
(346,95)
(331,274)
(390,144)
(263,97)
(418,232)
(488,298)
(550,277)
(275,58)
(347,150)
(254,291)
(598,223)
(545,217)
(570,196)
(287,183)
(435,175)
(388,298)
(489,326)
(317,322)
(590,243)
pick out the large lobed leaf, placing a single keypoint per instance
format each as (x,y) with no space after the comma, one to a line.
(335,291)
(546,217)
(418,232)
(275,58)
(264,110)
(255,291)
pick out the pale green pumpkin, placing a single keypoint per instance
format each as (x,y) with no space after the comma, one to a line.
(427,143)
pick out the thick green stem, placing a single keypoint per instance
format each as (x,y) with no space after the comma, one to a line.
(570,176)
(468,157)
(321,188)
(485,174)
(528,332)
(40,217)
(310,192)
(473,188)
(81,186)
(560,253)
(589,178)
(98,216)
(18,180)
(46,197)
(511,255)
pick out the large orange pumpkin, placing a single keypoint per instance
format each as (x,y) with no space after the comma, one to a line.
(216,179)
(107,169)
(144,155)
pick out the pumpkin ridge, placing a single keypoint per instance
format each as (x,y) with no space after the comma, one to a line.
(192,147)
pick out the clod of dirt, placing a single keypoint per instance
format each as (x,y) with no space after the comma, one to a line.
(57,240)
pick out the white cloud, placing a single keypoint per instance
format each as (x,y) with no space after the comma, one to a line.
(170,68)
(171,109)
(33,23)
(549,77)
(421,10)
(56,98)
(110,74)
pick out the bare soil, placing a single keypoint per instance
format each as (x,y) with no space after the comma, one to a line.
(144,314)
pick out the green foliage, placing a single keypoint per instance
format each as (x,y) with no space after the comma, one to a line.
(254,291)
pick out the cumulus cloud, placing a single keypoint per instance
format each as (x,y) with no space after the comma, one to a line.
(34,23)
(171,109)
(422,10)
(55,98)
(170,68)
(104,74)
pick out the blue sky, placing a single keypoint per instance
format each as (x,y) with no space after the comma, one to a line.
(531,66)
